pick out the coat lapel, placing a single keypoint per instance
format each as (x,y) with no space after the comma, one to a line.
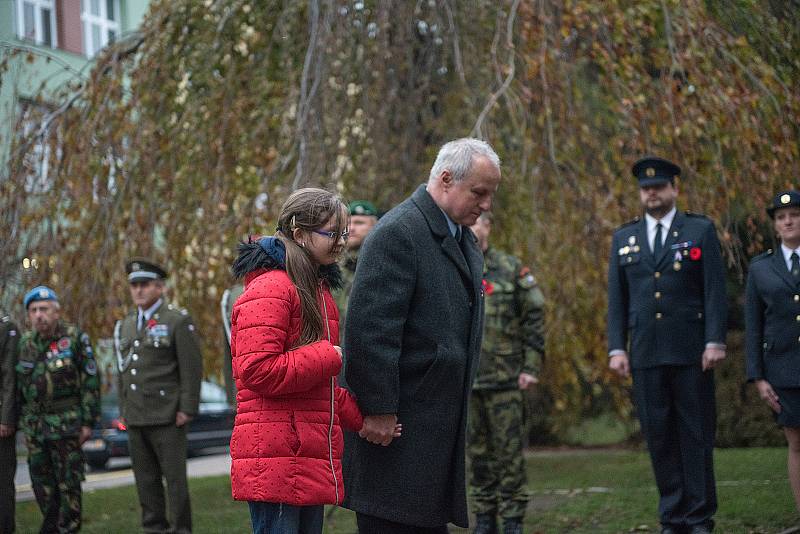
(644,245)
(672,237)
(779,266)
(438,225)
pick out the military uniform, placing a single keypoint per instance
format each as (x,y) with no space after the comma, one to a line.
(159,374)
(59,392)
(8,416)
(513,343)
(226,304)
(348,269)
(772,317)
(664,310)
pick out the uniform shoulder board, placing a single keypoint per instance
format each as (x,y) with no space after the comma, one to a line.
(632,221)
(764,255)
(693,214)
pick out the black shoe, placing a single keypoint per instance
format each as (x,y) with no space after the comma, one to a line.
(485,524)
(668,530)
(512,526)
(699,529)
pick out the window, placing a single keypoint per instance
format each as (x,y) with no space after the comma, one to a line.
(100,24)
(36,21)
(36,147)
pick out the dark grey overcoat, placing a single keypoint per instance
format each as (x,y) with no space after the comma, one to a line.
(414,325)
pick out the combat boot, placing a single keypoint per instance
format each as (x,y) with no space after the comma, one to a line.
(485,524)
(512,526)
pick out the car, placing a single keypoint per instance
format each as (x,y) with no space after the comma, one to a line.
(211,427)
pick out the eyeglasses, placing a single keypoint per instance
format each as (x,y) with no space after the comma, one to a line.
(333,235)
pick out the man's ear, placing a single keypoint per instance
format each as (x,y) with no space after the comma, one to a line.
(446,179)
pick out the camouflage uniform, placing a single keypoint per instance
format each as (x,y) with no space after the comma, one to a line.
(59,392)
(513,343)
(8,416)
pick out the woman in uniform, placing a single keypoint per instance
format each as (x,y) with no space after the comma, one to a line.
(772,315)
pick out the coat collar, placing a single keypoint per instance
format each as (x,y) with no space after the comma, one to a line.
(778,264)
(468,261)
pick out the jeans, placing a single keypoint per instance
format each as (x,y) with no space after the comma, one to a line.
(279,518)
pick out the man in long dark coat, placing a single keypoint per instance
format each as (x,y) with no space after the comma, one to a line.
(413,340)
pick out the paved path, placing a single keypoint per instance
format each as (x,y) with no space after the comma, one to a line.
(118,472)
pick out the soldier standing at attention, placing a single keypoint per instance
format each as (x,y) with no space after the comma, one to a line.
(9,343)
(363,217)
(511,355)
(666,290)
(59,395)
(159,373)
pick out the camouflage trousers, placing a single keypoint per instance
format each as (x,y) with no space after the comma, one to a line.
(497,476)
(57,469)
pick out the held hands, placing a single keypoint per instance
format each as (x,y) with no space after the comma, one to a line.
(6,431)
(381,429)
(711,357)
(619,364)
(526,380)
(86,433)
(768,394)
(181,419)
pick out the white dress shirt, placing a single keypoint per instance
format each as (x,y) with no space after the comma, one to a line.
(666,223)
(787,255)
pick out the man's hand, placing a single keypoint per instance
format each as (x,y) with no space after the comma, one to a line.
(526,380)
(619,364)
(379,429)
(86,433)
(181,419)
(768,394)
(6,431)
(711,357)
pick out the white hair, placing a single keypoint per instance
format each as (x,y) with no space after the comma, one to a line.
(457,157)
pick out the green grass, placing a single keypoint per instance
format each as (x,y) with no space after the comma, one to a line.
(752,487)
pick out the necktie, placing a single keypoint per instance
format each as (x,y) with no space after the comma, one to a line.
(657,244)
(140,323)
(458,234)
(795,264)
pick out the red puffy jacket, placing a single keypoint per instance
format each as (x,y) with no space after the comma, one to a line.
(287,440)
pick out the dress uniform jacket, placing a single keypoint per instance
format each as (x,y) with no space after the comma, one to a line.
(772,313)
(669,306)
(160,367)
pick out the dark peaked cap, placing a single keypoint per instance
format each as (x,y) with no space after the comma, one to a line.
(143,269)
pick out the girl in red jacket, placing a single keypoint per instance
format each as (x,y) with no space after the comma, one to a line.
(287,441)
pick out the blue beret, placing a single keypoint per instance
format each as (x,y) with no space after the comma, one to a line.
(39,293)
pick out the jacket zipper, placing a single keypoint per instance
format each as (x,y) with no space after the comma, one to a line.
(333,402)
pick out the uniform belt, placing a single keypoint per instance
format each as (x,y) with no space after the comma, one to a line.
(61,405)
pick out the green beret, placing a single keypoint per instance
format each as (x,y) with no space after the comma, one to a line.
(363,207)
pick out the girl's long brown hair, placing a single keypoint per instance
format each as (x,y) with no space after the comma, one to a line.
(308,209)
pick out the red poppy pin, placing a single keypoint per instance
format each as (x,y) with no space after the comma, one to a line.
(54,347)
(695,253)
(488,287)
(151,323)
